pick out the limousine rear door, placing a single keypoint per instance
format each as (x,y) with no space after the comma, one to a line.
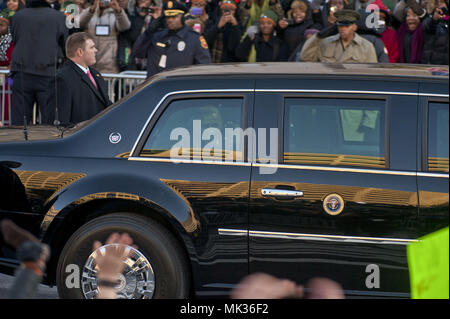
(185,150)
(434,147)
(342,201)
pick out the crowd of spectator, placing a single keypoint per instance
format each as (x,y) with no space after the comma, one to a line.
(410,31)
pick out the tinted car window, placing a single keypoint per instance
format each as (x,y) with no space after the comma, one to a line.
(438,137)
(197,129)
(334,132)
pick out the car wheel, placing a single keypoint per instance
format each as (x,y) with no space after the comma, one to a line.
(156,269)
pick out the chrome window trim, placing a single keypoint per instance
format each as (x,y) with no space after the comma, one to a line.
(441,175)
(298,167)
(317,237)
(337,169)
(304,167)
(349,91)
(182,92)
(186,161)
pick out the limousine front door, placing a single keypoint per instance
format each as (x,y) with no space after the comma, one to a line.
(343,202)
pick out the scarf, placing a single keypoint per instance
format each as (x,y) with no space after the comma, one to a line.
(256,10)
(5,42)
(416,43)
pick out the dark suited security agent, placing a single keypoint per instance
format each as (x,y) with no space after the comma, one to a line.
(78,91)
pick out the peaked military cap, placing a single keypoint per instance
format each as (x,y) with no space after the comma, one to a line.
(173,8)
(346,17)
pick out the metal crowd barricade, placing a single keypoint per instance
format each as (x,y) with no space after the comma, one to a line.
(5,98)
(119,85)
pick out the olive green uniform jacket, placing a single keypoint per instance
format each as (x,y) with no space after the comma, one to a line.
(331,49)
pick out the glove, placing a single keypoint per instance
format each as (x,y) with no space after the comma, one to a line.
(328,31)
(315,4)
(252,31)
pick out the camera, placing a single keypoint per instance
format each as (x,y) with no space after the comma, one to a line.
(226,11)
(147,10)
(290,21)
(106,2)
(196,11)
(444,10)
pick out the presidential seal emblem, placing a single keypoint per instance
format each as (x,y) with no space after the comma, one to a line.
(115,138)
(333,204)
(181,45)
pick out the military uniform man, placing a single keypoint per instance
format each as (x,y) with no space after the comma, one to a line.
(346,46)
(173,45)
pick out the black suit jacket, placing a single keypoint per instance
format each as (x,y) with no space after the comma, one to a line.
(74,96)
(39,35)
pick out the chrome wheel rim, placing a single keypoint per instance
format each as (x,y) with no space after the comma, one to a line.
(137,281)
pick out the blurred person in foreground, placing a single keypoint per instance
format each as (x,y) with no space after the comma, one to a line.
(78,91)
(33,255)
(111,263)
(345,47)
(39,34)
(168,43)
(265,286)
(104,20)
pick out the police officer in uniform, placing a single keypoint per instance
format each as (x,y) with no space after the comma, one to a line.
(346,46)
(173,44)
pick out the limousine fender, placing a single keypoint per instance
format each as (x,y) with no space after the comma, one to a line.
(125,202)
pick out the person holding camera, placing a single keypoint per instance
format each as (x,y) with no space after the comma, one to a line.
(104,20)
(435,28)
(140,16)
(224,36)
(260,44)
(292,30)
(168,43)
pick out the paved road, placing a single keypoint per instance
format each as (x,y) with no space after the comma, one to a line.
(44,292)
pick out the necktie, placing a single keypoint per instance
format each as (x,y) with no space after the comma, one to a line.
(92,79)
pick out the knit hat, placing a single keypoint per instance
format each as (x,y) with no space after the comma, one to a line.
(228,4)
(269,14)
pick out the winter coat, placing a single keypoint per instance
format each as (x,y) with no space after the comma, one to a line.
(435,48)
(389,37)
(39,34)
(106,44)
(270,51)
(294,34)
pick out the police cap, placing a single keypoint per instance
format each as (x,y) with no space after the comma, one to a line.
(346,17)
(173,8)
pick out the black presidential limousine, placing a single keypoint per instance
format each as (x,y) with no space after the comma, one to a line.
(296,170)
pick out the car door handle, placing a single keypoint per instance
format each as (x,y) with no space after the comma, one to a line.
(271,192)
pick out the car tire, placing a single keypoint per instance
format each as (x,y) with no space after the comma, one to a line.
(154,241)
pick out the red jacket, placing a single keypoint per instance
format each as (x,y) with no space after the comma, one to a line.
(8,55)
(389,37)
